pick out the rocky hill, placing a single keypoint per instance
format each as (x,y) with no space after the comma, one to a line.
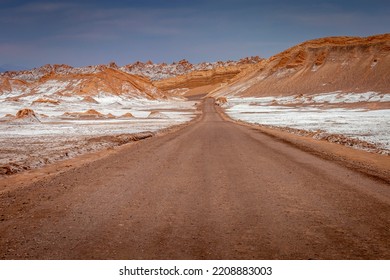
(205,77)
(53,81)
(162,71)
(350,64)
(133,80)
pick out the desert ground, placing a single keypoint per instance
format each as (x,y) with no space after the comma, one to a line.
(58,132)
(213,189)
(358,120)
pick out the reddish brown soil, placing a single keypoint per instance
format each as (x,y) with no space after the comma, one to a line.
(212,190)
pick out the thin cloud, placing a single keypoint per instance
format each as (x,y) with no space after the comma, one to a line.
(46,7)
(325,19)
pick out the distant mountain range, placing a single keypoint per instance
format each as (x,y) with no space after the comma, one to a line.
(350,64)
(132,80)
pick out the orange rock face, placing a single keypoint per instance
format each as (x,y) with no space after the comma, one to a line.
(25,113)
(127,115)
(92,112)
(45,100)
(350,64)
(89,114)
(68,81)
(222,73)
(89,99)
(221,100)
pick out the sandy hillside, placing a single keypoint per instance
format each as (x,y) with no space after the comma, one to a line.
(205,79)
(57,81)
(163,71)
(348,64)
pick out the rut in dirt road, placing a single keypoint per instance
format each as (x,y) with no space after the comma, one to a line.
(212,190)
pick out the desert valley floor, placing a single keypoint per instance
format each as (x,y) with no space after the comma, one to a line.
(212,189)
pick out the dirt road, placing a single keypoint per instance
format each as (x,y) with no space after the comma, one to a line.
(213,190)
